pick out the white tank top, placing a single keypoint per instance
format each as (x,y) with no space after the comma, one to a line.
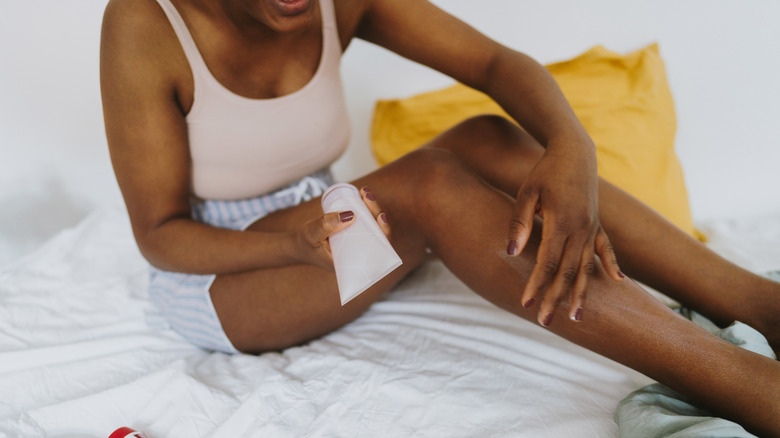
(241,147)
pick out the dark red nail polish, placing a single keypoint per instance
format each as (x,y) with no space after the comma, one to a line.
(578,314)
(511,249)
(346,216)
(384,218)
(547,320)
(621,274)
(529,303)
(370,196)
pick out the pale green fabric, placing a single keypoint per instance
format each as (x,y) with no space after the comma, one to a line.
(656,411)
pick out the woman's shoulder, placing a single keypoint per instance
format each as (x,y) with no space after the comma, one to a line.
(140,24)
(129,14)
(140,53)
(137,33)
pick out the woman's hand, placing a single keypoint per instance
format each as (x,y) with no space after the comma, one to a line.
(563,190)
(312,238)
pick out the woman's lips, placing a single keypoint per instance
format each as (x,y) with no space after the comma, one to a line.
(292,7)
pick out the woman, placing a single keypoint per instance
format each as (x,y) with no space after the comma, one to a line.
(221,117)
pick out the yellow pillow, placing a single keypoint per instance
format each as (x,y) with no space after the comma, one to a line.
(623,101)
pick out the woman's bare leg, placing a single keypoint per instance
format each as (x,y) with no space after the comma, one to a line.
(464,222)
(649,248)
(433,200)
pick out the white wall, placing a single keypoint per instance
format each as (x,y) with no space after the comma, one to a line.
(723,59)
(53,159)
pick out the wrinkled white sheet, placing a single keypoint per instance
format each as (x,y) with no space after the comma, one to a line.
(82,353)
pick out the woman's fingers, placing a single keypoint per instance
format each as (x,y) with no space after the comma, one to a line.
(565,261)
(384,224)
(587,269)
(564,267)
(522,222)
(563,281)
(548,260)
(373,206)
(607,254)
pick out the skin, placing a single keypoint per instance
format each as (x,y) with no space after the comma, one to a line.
(526,207)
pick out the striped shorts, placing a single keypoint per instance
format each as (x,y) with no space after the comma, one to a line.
(184,299)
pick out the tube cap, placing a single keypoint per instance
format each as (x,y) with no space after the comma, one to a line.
(125,432)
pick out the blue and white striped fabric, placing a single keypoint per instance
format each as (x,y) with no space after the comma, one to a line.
(184,299)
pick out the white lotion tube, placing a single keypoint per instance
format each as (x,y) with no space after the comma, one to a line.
(362,255)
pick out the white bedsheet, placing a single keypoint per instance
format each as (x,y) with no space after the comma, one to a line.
(82,353)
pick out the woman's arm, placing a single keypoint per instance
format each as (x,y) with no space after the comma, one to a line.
(563,188)
(143,71)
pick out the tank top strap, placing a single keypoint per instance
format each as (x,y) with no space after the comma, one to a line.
(197,64)
(328,10)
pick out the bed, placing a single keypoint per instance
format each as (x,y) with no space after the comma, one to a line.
(82,352)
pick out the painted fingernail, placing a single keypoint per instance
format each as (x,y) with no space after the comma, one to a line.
(383,217)
(529,303)
(578,314)
(547,320)
(370,196)
(346,216)
(621,274)
(511,249)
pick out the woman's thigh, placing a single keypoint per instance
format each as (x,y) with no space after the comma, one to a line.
(271,309)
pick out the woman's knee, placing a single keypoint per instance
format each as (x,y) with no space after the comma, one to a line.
(490,124)
(431,168)
(484,130)
(497,149)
